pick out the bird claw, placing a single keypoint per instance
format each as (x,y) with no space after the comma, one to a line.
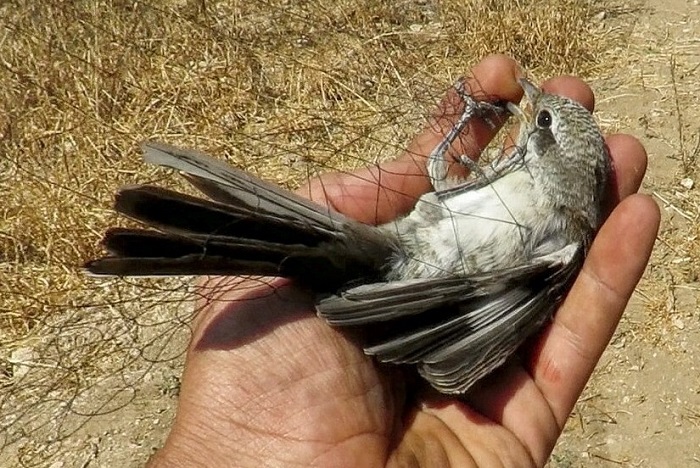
(485,110)
(436,164)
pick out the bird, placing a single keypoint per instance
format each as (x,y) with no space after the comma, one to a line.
(453,288)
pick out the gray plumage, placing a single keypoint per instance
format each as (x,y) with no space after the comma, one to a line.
(454,287)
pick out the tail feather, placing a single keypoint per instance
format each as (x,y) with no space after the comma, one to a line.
(216,178)
(121,242)
(188,265)
(139,252)
(252,228)
(177,213)
(212,190)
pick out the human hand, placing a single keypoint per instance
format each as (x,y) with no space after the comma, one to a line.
(268,383)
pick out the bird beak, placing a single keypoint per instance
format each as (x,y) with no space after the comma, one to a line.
(532,92)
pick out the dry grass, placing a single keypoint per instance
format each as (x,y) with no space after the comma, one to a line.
(280,88)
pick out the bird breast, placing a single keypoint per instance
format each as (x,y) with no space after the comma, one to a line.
(496,226)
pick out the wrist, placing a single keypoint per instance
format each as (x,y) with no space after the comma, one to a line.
(208,443)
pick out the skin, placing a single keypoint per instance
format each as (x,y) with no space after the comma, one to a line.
(267,383)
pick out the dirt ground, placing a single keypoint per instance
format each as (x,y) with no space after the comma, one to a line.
(642,406)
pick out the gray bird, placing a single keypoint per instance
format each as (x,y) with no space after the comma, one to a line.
(454,287)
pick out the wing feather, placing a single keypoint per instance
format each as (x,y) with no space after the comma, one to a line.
(457,330)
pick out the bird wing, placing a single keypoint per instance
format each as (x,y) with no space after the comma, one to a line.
(458,329)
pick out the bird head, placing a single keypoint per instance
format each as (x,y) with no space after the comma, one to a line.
(564,150)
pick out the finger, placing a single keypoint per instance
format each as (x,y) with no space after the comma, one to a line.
(572,88)
(568,351)
(534,403)
(378,194)
(629,161)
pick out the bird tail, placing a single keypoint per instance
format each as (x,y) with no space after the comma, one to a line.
(246,227)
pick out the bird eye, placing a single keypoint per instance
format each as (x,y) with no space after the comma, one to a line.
(544,119)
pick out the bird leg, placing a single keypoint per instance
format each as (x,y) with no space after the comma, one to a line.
(437,164)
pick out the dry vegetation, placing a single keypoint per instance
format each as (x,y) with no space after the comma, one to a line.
(281,88)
